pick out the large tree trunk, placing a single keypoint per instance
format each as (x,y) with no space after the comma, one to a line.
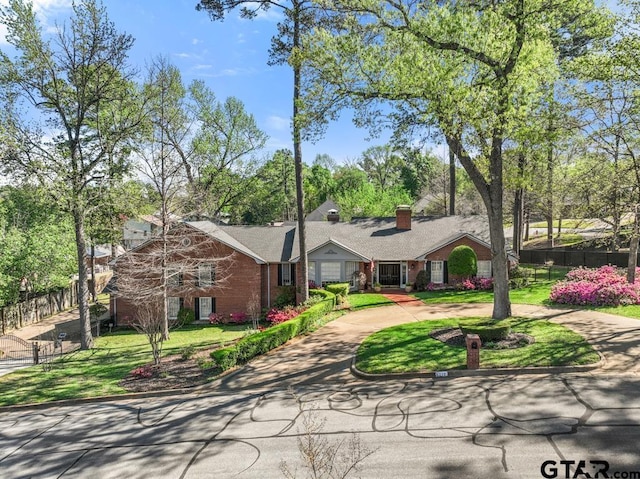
(303,287)
(518,207)
(452,183)
(86,339)
(491,194)
(633,250)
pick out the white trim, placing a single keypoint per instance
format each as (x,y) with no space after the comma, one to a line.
(440,272)
(452,240)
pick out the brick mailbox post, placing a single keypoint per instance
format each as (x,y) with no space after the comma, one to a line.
(473,351)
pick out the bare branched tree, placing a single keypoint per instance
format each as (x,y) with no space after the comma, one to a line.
(183,262)
(322,458)
(148,321)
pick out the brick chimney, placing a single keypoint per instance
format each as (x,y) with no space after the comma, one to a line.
(333,215)
(403,217)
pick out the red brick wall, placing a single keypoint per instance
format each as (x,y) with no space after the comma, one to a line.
(482,252)
(236,279)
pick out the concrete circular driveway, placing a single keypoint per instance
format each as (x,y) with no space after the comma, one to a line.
(326,355)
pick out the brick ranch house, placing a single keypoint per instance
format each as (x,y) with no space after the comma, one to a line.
(264,259)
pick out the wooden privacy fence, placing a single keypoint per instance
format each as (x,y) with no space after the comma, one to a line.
(590,259)
(36,309)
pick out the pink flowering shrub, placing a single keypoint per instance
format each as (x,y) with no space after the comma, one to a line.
(477,283)
(604,286)
(237,318)
(215,318)
(143,372)
(277,316)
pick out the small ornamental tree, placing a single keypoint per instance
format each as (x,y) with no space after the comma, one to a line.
(463,261)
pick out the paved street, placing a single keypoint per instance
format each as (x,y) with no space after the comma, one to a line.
(251,421)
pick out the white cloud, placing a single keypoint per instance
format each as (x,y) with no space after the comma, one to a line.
(271,15)
(279,123)
(195,41)
(202,67)
(44,9)
(183,55)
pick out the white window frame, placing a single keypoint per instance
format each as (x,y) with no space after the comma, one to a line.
(351,267)
(286,274)
(311,271)
(437,272)
(205,312)
(330,267)
(174,277)
(484,269)
(206,274)
(173,307)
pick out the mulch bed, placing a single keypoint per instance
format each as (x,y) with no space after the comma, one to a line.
(173,372)
(455,337)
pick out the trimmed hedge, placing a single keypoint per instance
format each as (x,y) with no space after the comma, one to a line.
(260,343)
(487,330)
(463,261)
(339,289)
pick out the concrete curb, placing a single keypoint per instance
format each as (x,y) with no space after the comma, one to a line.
(459,373)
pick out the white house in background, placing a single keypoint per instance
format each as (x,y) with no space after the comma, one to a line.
(137,231)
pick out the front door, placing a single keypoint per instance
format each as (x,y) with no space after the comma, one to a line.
(389,274)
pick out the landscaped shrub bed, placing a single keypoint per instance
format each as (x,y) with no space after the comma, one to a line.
(264,341)
(488,330)
(604,286)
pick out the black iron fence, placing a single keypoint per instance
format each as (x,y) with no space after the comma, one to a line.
(590,259)
(15,350)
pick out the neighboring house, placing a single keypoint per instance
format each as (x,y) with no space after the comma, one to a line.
(326,211)
(137,231)
(390,251)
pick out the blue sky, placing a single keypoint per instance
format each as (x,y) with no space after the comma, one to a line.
(230,56)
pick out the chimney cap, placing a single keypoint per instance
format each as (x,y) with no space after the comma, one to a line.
(403,207)
(332,211)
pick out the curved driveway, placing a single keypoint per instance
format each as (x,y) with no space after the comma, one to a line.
(326,355)
(247,424)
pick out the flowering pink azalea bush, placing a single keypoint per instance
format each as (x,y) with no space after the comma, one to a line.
(237,318)
(277,316)
(477,283)
(215,318)
(604,286)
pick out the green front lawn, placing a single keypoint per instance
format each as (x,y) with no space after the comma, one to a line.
(409,348)
(98,371)
(535,293)
(368,300)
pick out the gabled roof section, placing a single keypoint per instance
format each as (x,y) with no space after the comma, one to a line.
(339,245)
(320,213)
(453,239)
(214,231)
(274,243)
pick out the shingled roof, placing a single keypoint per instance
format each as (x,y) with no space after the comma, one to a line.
(372,238)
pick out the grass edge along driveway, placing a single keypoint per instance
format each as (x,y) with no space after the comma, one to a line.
(410,348)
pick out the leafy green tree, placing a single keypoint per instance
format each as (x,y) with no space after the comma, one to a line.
(383,166)
(37,244)
(473,69)
(273,195)
(82,112)
(224,149)
(367,200)
(463,261)
(320,185)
